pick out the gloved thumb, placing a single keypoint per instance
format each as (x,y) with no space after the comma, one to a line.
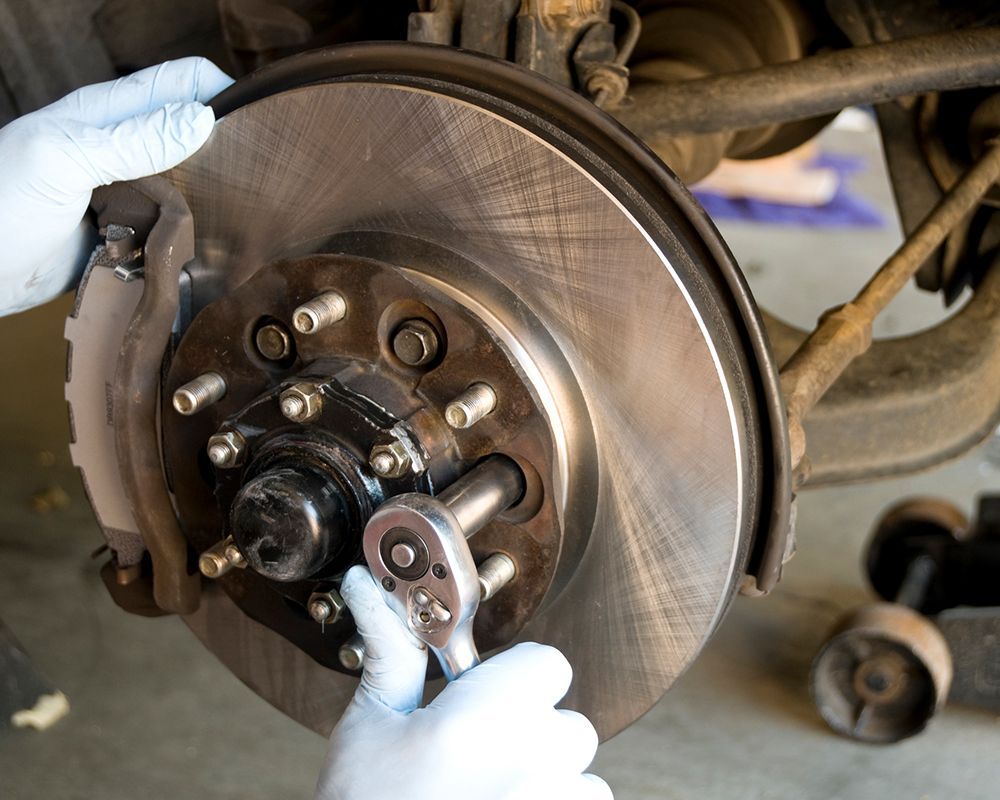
(138,146)
(395,660)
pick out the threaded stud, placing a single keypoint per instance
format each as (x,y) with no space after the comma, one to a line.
(199,394)
(319,313)
(471,406)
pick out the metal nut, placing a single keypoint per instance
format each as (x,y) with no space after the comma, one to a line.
(226,449)
(390,460)
(415,343)
(301,402)
(326,606)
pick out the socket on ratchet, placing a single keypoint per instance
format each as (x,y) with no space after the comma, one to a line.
(416,549)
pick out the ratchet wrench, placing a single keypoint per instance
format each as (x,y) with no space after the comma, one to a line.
(417,550)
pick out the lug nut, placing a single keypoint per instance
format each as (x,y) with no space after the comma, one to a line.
(220,558)
(390,460)
(320,312)
(494,573)
(415,343)
(326,606)
(352,653)
(302,402)
(199,394)
(226,449)
(273,342)
(471,406)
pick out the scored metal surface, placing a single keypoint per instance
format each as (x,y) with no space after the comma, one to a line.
(284,173)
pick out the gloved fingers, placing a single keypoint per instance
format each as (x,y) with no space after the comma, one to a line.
(395,660)
(593,787)
(528,675)
(139,146)
(185,80)
(577,787)
(578,739)
(539,741)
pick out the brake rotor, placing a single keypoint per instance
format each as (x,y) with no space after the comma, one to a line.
(531,211)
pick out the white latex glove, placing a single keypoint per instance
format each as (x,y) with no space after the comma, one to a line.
(493,734)
(51,160)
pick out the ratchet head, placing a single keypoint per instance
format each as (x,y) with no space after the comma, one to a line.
(416,550)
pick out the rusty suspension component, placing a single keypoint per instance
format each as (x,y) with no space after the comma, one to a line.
(817,85)
(846,333)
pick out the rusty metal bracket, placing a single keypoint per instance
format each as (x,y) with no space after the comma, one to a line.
(153,205)
(844,333)
(908,403)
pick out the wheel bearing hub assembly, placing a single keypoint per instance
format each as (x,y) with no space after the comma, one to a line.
(389,264)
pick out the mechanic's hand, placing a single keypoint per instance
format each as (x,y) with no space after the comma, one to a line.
(51,160)
(492,734)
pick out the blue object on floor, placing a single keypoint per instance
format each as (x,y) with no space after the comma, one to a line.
(845,210)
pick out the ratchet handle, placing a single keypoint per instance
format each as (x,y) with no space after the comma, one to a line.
(416,548)
(459,655)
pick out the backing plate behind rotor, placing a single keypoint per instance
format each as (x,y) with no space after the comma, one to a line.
(605,256)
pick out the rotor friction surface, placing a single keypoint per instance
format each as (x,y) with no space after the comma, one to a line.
(282,175)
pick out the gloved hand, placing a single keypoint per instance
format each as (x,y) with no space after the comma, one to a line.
(51,160)
(493,734)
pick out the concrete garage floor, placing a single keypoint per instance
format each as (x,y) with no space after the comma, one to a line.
(155,716)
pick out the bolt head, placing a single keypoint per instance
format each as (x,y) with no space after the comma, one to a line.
(273,342)
(302,402)
(415,343)
(390,460)
(226,449)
